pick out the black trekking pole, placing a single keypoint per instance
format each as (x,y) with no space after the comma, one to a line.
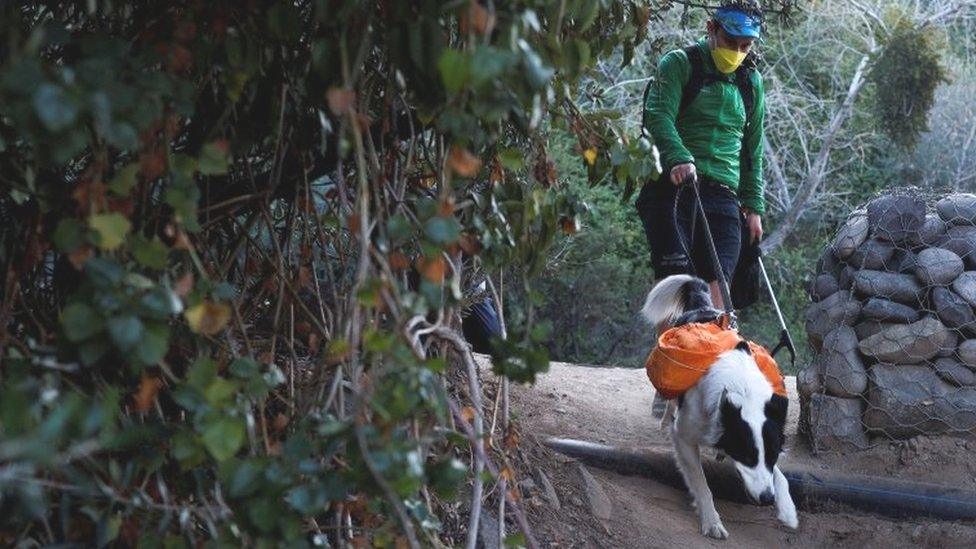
(785,340)
(716,264)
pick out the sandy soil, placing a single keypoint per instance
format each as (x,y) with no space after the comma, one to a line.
(612,406)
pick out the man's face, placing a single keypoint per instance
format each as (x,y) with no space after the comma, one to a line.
(722,39)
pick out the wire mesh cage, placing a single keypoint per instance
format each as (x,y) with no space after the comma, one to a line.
(893,323)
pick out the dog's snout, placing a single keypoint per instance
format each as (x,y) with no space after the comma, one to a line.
(766,498)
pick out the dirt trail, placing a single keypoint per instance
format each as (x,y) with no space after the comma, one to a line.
(613,406)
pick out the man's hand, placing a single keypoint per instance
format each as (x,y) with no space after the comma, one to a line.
(681,172)
(754,223)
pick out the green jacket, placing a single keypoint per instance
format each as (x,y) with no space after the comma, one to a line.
(709,132)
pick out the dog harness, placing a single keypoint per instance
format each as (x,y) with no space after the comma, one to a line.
(684,353)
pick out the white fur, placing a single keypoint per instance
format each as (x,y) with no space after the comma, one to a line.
(736,376)
(665,302)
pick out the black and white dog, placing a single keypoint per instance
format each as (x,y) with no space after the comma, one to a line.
(732,408)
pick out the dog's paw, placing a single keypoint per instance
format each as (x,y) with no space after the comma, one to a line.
(788,518)
(714,529)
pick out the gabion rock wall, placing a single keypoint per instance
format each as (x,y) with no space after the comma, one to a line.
(894,325)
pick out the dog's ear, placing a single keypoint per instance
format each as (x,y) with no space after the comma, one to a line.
(727,407)
(744,347)
(776,410)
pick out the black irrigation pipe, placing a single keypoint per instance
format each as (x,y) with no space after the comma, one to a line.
(810,490)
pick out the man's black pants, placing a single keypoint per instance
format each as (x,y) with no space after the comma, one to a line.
(674,249)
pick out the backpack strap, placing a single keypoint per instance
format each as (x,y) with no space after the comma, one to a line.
(696,78)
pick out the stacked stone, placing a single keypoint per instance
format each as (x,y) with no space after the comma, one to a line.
(894,325)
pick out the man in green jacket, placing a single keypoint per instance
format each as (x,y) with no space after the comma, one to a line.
(699,114)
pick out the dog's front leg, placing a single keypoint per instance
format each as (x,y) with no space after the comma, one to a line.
(785,509)
(689,463)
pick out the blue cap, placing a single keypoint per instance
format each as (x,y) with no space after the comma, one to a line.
(738,23)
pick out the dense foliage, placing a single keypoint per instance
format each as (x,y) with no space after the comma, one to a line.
(911,63)
(237,239)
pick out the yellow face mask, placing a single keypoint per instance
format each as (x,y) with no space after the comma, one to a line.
(726,60)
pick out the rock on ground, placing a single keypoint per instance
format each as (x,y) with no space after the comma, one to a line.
(823,286)
(868,328)
(844,374)
(931,231)
(885,310)
(962,241)
(548,491)
(907,343)
(954,372)
(937,267)
(906,401)
(953,310)
(893,286)
(595,497)
(903,262)
(965,286)
(967,352)
(835,423)
(850,236)
(958,209)
(873,254)
(824,316)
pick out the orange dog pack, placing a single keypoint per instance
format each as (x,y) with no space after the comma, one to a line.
(683,355)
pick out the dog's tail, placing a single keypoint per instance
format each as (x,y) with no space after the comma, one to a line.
(668,299)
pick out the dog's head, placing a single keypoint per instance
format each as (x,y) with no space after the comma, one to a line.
(752,435)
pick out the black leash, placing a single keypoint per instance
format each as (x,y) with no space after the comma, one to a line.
(785,339)
(716,264)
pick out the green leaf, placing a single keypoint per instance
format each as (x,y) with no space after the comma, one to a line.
(186,450)
(446,476)
(149,253)
(244,368)
(80,322)
(126,331)
(124,180)
(53,107)
(69,235)
(92,351)
(223,437)
(201,373)
(110,230)
(220,391)
(154,345)
(214,158)
(442,230)
(160,303)
(511,159)
(453,66)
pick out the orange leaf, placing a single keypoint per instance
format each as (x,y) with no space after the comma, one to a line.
(463,163)
(340,100)
(398,260)
(467,414)
(476,19)
(280,422)
(446,207)
(569,225)
(146,395)
(507,474)
(80,256)
(304,277)
(208,318)
(433,269)
(470,244)
(497,174)
(314,343)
